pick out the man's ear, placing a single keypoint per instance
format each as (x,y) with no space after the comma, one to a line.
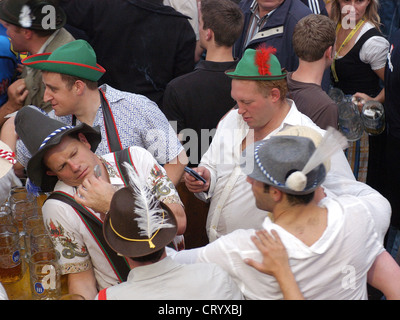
(83,139)
(275,193)
(79,87)
(28,34)
(275,94)
(329,53)
(209,34)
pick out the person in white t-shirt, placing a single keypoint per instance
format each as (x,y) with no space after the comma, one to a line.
(333,246)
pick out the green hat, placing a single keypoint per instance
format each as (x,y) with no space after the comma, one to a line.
(258,64)
(76,58)
(32,14)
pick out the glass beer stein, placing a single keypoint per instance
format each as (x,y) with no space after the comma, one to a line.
(10,257)
(373,117)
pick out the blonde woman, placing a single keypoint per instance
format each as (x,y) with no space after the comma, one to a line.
(359,62)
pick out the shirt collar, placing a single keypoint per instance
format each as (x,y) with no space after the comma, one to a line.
(254,11)
(153,270)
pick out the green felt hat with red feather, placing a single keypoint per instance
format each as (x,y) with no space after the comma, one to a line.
(258,64)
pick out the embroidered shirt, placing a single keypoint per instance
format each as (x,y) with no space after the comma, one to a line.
(76,247)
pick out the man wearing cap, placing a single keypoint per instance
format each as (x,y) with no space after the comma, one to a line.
(333,248)
(70,75)
(259,88)
(140,228)
(63,161)
(35,27)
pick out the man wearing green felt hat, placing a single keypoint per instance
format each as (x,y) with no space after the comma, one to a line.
(259,88)
(70,74)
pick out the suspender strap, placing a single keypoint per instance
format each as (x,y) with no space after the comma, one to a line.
(121,157)
(95,227)
(113,141)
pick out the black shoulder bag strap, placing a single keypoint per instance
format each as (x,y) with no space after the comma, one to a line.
(113,141)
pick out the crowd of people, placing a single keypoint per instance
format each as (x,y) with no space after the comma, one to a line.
(150,124)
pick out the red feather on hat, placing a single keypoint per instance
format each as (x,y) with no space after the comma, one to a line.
(262,57)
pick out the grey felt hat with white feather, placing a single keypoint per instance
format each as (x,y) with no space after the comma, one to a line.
(292,164)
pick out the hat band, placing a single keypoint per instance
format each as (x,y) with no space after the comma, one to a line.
(261,167)
(54,133)
(8,155)
(150,240)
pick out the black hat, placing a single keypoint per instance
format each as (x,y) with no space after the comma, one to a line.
(33,14)
(40,133)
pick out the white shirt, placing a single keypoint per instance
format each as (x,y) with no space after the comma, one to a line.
(78,249)
(374,51)
(223,157)
(169,280)
(333,268)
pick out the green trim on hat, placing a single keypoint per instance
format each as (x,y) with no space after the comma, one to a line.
(76,58)
(247,68)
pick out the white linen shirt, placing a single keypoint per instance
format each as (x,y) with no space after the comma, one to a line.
(333,268)
(170,280)
(78,250)
(223,157)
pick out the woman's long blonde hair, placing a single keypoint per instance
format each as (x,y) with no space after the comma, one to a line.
(371,13)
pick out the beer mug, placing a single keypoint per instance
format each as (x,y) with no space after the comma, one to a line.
(40,241)
(336,95)
(349,122)
(10,257)
(6,216)
(19,193)
(45,276)
(373,117)
(21,209)
(31,223)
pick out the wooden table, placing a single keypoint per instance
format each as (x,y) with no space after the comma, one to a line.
(21,289)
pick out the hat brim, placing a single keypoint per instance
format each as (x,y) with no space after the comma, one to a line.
(140,248)
(41,62)
(36,170)
(232,74)
(250,167)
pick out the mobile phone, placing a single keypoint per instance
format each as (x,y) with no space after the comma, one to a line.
(195,174)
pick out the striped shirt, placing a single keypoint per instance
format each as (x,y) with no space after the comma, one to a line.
(256,22)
